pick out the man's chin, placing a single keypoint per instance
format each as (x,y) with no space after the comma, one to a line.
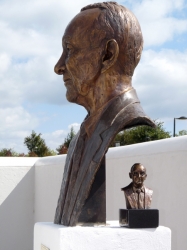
(139,184)
(71,97)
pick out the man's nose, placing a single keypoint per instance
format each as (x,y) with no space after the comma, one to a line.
(60,66)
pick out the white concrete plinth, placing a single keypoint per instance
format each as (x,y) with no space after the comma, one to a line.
(112,237)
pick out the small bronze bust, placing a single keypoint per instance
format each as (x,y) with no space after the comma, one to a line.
(137,196)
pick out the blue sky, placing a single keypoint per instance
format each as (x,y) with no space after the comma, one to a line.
(32,96)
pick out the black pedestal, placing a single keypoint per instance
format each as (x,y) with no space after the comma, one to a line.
(139,218)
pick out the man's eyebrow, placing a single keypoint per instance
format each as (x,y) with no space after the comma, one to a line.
(66,39)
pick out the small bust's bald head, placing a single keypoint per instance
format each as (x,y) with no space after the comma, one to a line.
(135,166)
(138,175)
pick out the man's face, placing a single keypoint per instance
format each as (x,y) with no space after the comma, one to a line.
(81,59)
(138,176)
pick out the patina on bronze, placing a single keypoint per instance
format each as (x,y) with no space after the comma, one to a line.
(137,196)
(102,45)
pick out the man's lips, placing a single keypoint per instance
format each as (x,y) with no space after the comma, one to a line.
(65,79)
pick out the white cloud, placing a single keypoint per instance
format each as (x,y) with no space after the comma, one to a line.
(4,63)
(33,46)
(160,31)
(16,118)
(32,81)
(156,9)
(45,16)
(76,127)
(56,138)
(30,45)
(16,123)
(160,80)
(157,20)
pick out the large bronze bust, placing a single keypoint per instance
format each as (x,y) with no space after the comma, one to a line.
(102,45)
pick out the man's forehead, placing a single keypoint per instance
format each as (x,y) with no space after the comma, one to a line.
(139,168)
(80,24)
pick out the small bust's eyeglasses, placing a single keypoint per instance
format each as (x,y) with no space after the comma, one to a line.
(142,174)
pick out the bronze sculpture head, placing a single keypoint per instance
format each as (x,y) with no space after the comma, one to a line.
(137,196)
(138,175)
(102,45)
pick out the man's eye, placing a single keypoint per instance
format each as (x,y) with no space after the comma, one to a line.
(139,173)
(69,48)
(135,174)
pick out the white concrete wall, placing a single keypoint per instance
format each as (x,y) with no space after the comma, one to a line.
(30,194)
(16,203)
(48,178)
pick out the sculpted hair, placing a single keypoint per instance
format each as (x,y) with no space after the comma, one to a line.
(120,24)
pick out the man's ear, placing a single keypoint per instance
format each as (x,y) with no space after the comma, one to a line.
(130,175)
(111,54)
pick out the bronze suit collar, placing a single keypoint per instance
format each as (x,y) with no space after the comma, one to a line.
(131,197)
(109,112)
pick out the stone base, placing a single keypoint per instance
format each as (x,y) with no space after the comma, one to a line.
(58,237)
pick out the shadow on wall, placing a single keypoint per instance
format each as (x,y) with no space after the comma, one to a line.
(17,216)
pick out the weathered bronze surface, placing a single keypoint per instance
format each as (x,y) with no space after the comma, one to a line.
(137,196)
(102,45)
(94,209)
